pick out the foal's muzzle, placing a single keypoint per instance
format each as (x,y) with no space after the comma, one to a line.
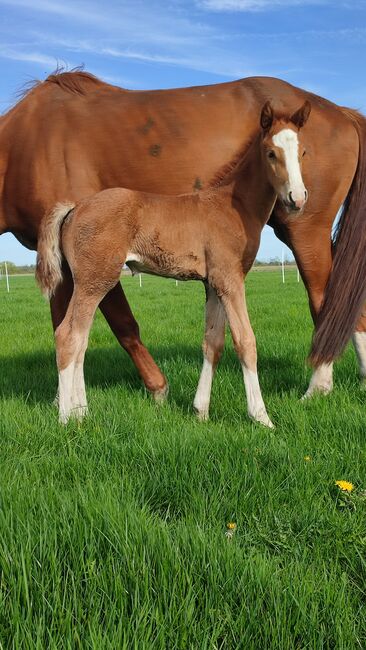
(296,203)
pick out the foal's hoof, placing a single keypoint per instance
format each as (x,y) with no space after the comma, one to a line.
(201,414)
(363,383)
(79,412)
(63,418)
(161,394)
(263,418)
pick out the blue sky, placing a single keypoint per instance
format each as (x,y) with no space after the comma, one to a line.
(315,44)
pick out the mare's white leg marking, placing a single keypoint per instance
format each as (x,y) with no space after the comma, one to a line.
(202,398)
(256,408)
(359,341)
(65,386)
(288,141)
(161,394)
(321,381)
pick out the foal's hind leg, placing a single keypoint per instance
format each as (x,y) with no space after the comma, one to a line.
(117,312)
(71,342)
(245,346)
(213,344)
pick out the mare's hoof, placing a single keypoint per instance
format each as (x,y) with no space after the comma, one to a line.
(161,394)
(316,390)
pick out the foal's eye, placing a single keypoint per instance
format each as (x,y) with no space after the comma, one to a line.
(303,153)
(271,155)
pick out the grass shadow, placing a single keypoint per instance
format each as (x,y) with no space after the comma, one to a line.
(34,375)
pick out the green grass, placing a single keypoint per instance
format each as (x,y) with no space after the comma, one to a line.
(112,533)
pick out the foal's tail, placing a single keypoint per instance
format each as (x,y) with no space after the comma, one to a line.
(49,255)
(346,289)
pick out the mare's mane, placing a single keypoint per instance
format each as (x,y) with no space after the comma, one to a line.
(75,81)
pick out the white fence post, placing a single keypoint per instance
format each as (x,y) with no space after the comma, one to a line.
(7,277)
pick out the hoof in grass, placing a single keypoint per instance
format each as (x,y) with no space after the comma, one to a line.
(161,394)
(262,418)
(201,414)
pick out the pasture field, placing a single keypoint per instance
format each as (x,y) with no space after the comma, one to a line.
(112,532)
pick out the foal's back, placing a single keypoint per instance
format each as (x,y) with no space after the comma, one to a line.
(167,235)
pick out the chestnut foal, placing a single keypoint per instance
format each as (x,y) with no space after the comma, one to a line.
(212,236)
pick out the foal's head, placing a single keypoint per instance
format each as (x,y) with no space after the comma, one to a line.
(284,152)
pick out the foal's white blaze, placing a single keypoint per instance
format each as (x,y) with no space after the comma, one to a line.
(202,398)
(288,141)
(256,407)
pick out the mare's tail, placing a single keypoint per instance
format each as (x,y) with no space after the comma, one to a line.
(49,255)
(346,289)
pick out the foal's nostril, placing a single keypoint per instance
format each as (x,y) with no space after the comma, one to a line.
(306,195)
(291,201)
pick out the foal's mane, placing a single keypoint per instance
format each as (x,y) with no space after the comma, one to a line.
(227,172)
(75,81)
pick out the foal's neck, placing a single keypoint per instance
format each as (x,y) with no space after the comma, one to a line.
(251,191)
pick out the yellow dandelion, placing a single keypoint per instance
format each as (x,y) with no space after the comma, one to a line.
(231,525)
(307,458)
(345,486)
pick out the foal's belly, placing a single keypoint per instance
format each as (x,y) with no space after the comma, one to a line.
(182,267)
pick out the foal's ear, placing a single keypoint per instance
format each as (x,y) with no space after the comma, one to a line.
(266,116)
(300,117)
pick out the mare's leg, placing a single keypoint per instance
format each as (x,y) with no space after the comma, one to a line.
(312,248)
(118,314)
(359,341)
(71,342)
(245,346)
(213,344)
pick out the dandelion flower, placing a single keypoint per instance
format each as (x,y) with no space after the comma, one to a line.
(231,525)
(345,486)
(307,458)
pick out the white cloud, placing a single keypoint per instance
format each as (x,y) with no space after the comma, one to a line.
(255,5)
(30,57)
(218,62)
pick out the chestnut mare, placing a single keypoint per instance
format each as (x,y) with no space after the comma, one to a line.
(212,236)
(73,135)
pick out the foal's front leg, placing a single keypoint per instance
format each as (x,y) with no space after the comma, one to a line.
(213,344)
(245,346)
